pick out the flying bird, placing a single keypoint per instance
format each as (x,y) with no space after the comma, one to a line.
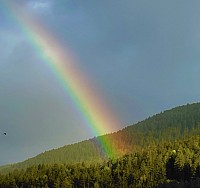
(5,133)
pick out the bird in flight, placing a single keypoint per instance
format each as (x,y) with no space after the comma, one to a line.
(5,133)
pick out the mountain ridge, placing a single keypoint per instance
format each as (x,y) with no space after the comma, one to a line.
(172,124)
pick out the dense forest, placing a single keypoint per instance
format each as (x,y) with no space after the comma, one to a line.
(165,164)
(169,125)
(161,151)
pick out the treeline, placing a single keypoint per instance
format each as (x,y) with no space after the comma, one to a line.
(179,122)
(166,126)
(166,164)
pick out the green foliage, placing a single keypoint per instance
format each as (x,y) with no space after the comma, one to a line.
(162,151)
(180,122)
(166,164)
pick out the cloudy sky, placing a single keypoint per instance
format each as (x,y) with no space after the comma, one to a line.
(142,55)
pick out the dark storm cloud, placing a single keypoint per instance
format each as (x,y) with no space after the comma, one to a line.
(133,48)
(161,33)
(142,47)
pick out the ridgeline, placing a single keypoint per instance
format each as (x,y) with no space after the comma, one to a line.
(170,130)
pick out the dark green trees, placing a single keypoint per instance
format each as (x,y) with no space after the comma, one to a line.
(165,164)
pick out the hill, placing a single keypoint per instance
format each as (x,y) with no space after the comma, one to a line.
(170,125)
(162,165)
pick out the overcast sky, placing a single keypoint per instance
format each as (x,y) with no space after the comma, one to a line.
(143,55)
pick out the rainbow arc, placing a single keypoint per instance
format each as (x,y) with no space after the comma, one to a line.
(77,85)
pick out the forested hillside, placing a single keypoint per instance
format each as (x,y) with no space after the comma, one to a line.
(166,164)
(179,122)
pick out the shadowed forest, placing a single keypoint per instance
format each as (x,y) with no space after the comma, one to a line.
(161,151)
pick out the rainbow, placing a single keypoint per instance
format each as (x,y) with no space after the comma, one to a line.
(81,90)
